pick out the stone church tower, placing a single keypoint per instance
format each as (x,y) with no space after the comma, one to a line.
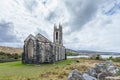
(58,43)
(58,35)
(38,49)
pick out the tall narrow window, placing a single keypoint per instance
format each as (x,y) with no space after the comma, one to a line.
(30,49)
(56,35)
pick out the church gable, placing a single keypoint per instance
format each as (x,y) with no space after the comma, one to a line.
(30,37)
(41,38)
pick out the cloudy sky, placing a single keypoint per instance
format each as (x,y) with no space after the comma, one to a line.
(87,24)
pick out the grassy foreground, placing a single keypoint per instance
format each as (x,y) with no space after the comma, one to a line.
(58,71)
(18,71)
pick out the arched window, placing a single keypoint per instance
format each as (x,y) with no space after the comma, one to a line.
(56,35)
(30,49)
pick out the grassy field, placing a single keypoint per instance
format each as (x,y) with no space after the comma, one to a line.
(58,71)
(18,71)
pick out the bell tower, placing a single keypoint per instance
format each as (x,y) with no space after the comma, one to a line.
(58,35)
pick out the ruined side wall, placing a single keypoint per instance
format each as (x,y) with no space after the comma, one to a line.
(45,52)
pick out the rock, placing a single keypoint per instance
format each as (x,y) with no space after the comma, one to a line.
(75,75)
(101,76)
(109,63)
(91,72)
(113,70)
(106,69)
(100,68)
(110,68)
(100,72)
(88,77)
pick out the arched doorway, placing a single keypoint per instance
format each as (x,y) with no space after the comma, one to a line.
(30,49)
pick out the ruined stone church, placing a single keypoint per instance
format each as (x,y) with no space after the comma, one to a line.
(38,49)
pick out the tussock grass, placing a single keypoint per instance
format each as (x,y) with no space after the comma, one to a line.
(57,71)
(18,71)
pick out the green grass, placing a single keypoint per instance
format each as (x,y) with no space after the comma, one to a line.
(19,71)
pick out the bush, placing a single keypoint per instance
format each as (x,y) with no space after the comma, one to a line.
(96,57)
(110,58)
(117,59)
(6,57)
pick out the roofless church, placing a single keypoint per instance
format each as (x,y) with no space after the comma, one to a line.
(38,49)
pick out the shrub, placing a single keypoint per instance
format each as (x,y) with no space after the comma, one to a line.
(110,58)
(6,57)
(96,57)
(117,59)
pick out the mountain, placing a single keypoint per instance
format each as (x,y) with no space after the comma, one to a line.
(96,52)
(71,52)
(11,50)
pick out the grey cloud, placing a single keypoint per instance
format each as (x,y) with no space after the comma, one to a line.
(44,1)
(41,32)
(7,32)
(51,17)
(107,22)
(82,11)
(30,4)
(55,15)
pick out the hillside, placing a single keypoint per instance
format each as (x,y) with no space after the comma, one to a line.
(71,52)
(97,52)
(10,50)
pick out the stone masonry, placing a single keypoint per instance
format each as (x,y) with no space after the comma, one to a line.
(38,49)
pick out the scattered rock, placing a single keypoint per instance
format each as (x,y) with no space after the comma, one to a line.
(101,76)
(91,72)
(100,72)
(108,67)
(75,75)
(88,77)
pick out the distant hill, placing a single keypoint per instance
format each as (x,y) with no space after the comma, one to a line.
(11,50)
(71,52)
(96,52)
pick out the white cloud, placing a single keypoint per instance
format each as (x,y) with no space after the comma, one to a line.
(101,33)
(89,25)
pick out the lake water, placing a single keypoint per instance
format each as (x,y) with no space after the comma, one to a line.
(103,56)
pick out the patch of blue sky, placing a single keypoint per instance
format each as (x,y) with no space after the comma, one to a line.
(112,10)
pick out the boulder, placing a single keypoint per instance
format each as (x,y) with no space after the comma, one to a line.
(107,67)
(113,71)
(100,72)
(91,72)
(88,77)
(101,76)
(75,75)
